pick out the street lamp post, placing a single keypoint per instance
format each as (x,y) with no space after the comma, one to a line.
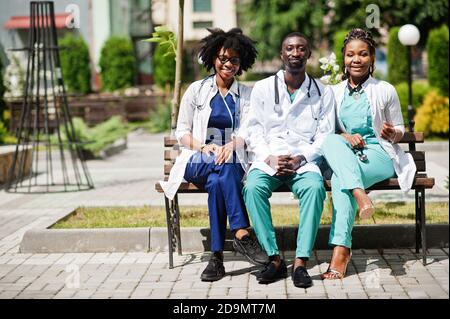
(409,36)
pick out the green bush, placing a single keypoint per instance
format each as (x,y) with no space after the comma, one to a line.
(160,118)
(2,92)
(437,49)
(338,41)
(117,64)
(432,116)
(164,68)
(397,58)
(95,139)
(419,90)
(75,64)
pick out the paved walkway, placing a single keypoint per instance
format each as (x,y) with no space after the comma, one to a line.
(127,179)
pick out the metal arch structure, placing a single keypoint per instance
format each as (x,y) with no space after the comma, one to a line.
(46,135)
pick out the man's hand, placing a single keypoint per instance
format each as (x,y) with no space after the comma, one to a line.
(289,165)
(355,140)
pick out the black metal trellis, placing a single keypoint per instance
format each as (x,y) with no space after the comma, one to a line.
(46,132)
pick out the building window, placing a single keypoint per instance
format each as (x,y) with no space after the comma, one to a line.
(202,24)
(202,5)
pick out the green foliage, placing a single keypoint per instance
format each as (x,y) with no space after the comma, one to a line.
(75,64)
(2,92)
(3,133)
(117,63)
(164,57)
(95,139)
(164,68)
(338,41)
(397,58)
(166,40)
(270,20)
(419,90)
(160,118)
(437,49)
(432,116)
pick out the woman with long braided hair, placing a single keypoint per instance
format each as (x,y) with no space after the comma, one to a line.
(364,151)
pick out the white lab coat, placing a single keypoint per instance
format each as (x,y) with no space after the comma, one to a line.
(385,106)
(193,118)
(297,128)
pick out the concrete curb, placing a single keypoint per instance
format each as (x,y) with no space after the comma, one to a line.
(198,239)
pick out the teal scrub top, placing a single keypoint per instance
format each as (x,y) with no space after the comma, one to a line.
(356,117)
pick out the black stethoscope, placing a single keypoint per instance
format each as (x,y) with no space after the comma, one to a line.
(311,80)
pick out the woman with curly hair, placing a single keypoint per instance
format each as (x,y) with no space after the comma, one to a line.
(365,152)
(213,154)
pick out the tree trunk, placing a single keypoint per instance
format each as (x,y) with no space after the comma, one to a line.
(177,90)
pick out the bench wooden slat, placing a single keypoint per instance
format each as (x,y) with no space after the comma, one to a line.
(421,167)
(171,155)
(408,137)
(392,183)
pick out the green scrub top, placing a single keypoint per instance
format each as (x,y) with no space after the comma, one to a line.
(355,115)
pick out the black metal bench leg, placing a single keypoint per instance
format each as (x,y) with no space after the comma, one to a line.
(177,223)
(418,221)
(422,227)
(169,231)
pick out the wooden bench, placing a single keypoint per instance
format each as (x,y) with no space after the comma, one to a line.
(421,182)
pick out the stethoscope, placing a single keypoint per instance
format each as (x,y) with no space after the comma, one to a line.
(235,121)
(277,95)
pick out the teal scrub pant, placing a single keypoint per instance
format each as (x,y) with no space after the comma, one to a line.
(349,172)
(308,187)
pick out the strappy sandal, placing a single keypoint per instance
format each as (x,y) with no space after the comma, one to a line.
(336,274)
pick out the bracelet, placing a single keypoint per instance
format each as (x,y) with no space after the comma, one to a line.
(202,147)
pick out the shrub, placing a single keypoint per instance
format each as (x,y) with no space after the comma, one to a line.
(75,64)
(419,90)
(2,92)
(397,58)
(95,139)
(338,41)
(160,118)
(117,64)
(437,49)
(432,116)
(164,68)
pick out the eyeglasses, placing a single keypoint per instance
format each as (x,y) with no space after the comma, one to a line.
(233,60)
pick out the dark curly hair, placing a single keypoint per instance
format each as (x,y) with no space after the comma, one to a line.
(365,36)
(233,39)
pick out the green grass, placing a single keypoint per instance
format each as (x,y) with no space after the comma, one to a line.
(197,216)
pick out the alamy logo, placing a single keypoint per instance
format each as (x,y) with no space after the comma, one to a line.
(73,19)
(73,277)
(373,19)
(373,279)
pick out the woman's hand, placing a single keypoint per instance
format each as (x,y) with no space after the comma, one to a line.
(210,148)
(388,132)
(355,140)
(224,153)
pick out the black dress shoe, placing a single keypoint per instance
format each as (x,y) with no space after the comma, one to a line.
(251,250)
(214,270)
(271,273)
(301,278)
